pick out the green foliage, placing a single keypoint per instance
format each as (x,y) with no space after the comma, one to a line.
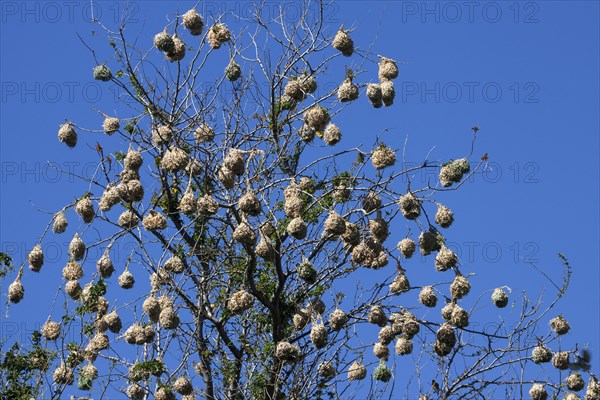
(6,265)
(15,372)
(90,303)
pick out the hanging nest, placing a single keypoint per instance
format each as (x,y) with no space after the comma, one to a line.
(207,205)
(363,255)
(265,249)
(441,349)
(377,316)
(459,318)
(538,392)
(233,71)
(60,223)
(400,284)
(427,297)
(138,334)
(110,197)
(593,389)
(444,216)
(36,258)
(403,346)
(127,175)
(250,204)
(50,330)
(301,318)
(383,157)
(382,373)
(99,342)
(126,280)
(388,69)
(67,135)
(318,336)
(293,206)
(410,326)
(381,351)
(308,83)
(234,161)
(110,125)
(326,370)
(204,133)
(317,118)
(453,171)
(87,375)
(151,307)
(460,287)
(133,160)
(72,271)
(287,352)
(193,22)
(357,371)
(386,335)
(178,52)
(306,133)
(240,302)
(560,360)
(316,306)
(188,203)
(332,135)
(334,224)
(371,202)
(541,354)
(293,89)
(244,234)
(85,209)
(375,95)
(168,318)
(131,191)
(73,289)
(500,298)
(387,93)
(174,159)
(410,206)
(183,386)
(174,264)
(445,259)
(430,241)
(154,221)
(164,42)
(575,382)
(379,229)
(347,91)
(297,228)
(445,335)
(307,272)
(407,247)
(380,261)
(193,167)
(63,375)
(113,322)
(128,220)
(162,135)
(16,291)
(343,42)
(217,35)
(351,236)
(337,319)
(571,396)
(102,73)
(559,325)
(76,248)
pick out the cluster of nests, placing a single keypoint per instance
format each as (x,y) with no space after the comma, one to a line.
(317,122)
(453,171)
(161,310)
(574,382)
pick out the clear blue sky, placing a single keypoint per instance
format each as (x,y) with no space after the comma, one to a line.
(526,72)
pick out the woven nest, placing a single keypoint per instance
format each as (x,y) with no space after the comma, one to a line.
(85,209)
(410,327)
(16,291)
(375,95)
(459,318)
(403,346)
(383,157)
(447,311)
(178,52)
(559,325)
(50,330)
(382,373)
(444,216)
(76,248)
(575,382)
(240,301)
(72,271)
(188,203)
(445,259)
(174,159)
(133,160)
(131,191)
(377,316)
(307,272)
(334,224)
(571,396)
(316,306)
(250,204)
(460,287)
(332,135)
(126,280)
(168,318)
(60,223)
(427,297)
(193,167)
(326,370)
(233,71)
(174,264)
(388,93)
(453,171)
(100,341)
(560,360)
(244,234)
(371,202)
(36,258)
(138,334)
(265,249)
(441,349)
(308,83)
(162,135)
(317,118)
(293,206)
(341,193)
(407,247)
(67,135)
(381,351)
(110,197)
(379,229)
(154,221)
(541,354)
(217,35)
(388,69)
(301,318)
(400,284)
(337,319)
(410,206)
(287,352)
(183,386)
(151,307)
(102,73)
(110,125)
(351,236)
(500,298)
(363,255)
(318,336)
(306,133)
(73,289)
(357,371)
(347,91)
(445,335)
(297,228)
(343,42)
(234,161)
(204,133)
(128,220)
(293,89)
(593,389)
(113,321)
(538,392)
(128,175)
(207,205)
(63,375)
(193,22)
(386,335)
(164,42)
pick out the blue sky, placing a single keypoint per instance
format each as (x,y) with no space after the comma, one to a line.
(526,72)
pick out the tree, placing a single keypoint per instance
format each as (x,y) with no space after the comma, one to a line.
(250,220)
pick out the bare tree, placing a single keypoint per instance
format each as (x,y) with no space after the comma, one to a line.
(249,221)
